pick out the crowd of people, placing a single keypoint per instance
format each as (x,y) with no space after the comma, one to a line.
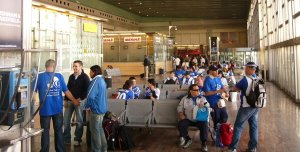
(89,99)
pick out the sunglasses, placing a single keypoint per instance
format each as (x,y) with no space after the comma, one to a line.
(195,90)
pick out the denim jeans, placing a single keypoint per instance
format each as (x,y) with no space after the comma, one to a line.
(219,115)
(244,114)
(201,125)
(98,143)
(67,122)
(58,135)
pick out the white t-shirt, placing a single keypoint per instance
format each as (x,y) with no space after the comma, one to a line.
(177,61)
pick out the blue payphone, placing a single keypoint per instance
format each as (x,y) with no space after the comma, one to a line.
(8,82)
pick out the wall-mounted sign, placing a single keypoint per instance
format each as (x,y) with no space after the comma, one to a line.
(213,45)
(108,40)
(89,27)
(133,39)
(11,24)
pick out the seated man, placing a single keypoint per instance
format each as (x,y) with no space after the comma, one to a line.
(136,90)
(186,118)
(179,74)
(126,92)
(171,79)
(151,91)
(187,79)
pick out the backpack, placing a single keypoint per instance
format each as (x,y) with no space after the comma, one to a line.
(224,133)
(257,95)
(110,129)
(170,81)
(124,139)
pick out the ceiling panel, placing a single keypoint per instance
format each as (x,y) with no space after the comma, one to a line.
(204,9)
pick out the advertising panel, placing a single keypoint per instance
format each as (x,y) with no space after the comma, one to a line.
(11,24)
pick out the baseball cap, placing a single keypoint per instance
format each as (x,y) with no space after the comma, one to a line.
(212,68)
(251,64)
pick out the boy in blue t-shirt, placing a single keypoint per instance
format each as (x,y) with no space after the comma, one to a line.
(51,101)
(213,89)
(126,92)
(136,90)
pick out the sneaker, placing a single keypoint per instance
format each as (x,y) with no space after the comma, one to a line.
(187,143)
(204,148)
(252,150)
(181,141)
(76,143)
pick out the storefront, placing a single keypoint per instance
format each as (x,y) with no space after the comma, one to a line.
(126,49)
(76,37)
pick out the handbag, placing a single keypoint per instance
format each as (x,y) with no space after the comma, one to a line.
(221,103)
(202,114)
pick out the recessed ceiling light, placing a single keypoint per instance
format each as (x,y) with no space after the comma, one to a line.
(119,3)
(141,3)
(147,15)
(157,12)
(140,12)
(130,8)
(149,8)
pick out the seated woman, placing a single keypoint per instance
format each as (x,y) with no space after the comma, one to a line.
(126,92)
(136,90)
(187,79)
(171,79)
(186,118)
(151,91)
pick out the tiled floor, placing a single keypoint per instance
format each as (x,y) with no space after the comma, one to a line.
(279,129)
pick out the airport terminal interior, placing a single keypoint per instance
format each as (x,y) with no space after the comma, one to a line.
(153,62)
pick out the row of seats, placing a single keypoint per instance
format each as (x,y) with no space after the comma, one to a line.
(166,86)
(145,113)
(164,94)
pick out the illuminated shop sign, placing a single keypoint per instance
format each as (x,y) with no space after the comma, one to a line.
(11,24)
(108,40)
(88,27)
(133,39)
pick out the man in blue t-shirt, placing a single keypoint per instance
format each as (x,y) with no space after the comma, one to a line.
(51,102)
(213,89)
(245,112)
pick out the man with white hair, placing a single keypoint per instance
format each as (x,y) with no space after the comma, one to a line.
(50,87)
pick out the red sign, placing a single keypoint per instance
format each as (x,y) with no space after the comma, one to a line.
(108,40)
(133,39)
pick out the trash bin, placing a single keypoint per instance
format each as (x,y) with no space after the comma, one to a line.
(161,71)
(233,96)
(108,80)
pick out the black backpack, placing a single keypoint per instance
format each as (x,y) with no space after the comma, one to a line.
(124,139)
(255,93)
(170,81)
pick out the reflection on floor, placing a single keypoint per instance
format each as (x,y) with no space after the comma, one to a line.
(279,129)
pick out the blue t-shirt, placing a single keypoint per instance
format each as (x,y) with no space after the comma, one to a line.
(202,93)
(179,74)
(194,74)
(54,100)
(213,85)
(136,90)
(125,94)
